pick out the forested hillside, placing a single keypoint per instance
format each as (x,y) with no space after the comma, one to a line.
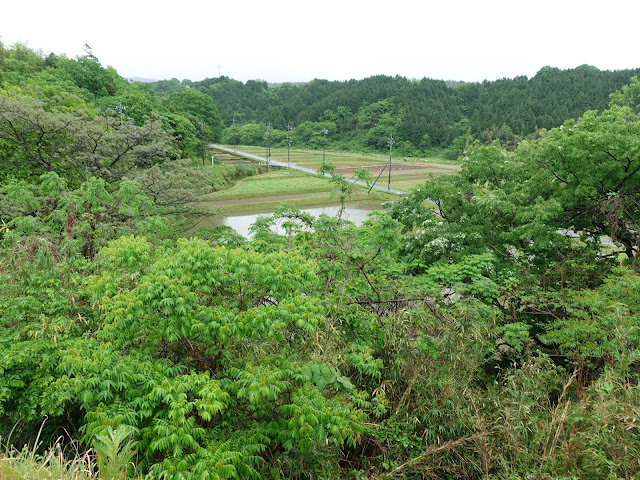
(486,326)
(422,114)
(59,89)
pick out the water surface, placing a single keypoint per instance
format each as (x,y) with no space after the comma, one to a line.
(356,213)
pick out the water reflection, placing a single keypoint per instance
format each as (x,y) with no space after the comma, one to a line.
(354,213)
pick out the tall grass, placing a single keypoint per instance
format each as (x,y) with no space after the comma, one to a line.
(110,459)
(51,464)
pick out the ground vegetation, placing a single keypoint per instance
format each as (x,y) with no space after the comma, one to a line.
(484,327)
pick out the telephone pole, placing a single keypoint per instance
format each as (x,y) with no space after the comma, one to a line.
(268,137)
(390,141)
(325,132)
(202,139)
(289,128)
(235,134)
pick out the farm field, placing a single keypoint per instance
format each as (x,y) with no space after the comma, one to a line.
(267,190)
(405,175)
(273,183)
(313,158)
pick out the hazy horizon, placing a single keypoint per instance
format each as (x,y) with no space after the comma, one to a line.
(285,41)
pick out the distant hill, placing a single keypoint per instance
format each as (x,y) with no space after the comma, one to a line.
(423,114)
(141,80)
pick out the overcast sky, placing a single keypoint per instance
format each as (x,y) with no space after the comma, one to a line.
(298,40)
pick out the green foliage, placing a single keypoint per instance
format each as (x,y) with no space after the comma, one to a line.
(343,188)
(77,88)
(220,319)
(310,133)
(423,114)
(41,312)
(87,73)
(247,134)
(71,144)
(601,325)
(114,452)
(71,219)
(465,334)
(135,102)
(590,167)
(628,95)
(199,109)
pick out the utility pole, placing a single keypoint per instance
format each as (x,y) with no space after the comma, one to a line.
(202,139)
(289,128)
(390,141)
(268,137)
(325,132)
(269,142)
(235,136)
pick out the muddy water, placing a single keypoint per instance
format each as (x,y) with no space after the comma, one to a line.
(356,213)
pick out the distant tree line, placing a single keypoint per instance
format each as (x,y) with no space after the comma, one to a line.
(423,114)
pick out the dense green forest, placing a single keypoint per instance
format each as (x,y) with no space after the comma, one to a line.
(422,114)
(479,329)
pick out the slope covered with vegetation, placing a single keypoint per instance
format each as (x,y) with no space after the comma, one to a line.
(422,114)
(466,333)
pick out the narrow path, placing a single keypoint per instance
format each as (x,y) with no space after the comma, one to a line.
(302,169)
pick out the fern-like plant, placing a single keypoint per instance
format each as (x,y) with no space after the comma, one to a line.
(114,451)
